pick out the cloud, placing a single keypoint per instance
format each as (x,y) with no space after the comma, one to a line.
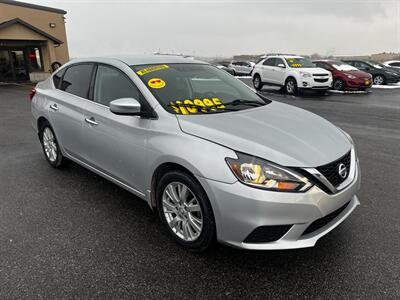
(222,27)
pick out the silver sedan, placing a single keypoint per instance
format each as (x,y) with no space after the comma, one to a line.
(214,159)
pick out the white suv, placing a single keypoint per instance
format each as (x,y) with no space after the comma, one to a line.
(242,67)
(292,73)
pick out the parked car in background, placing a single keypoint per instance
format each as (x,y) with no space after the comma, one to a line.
(215,159)
(226,69)
(392,64)
(379,74)
(345,76)
(242,67)
(293,73)
(391,69)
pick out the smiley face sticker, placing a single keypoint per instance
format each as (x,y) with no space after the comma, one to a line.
(156,83)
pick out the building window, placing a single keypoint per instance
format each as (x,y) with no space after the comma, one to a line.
(35,59)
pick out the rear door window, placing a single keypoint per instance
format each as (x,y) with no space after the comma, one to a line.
(77,79)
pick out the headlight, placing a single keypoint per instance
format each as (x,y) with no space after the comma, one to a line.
(351,76)
(305,74)
(263,174)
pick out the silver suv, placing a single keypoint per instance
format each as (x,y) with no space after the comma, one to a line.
(215,159)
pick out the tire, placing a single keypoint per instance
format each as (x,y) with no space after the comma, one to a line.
(50,146)
(234,73)
(176,210)
(257,83)
(379,80)
(291,86)
(338,84)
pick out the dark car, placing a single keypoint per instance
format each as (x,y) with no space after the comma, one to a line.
(379,74)
(345,76)
(390,69)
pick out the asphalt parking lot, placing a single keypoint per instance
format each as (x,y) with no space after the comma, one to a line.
(72,234)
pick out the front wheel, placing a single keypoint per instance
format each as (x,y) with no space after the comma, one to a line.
(338,84)
(257,83)
(185,211)
(291,86)
(379,80)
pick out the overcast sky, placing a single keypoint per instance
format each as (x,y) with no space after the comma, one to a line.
(228,27)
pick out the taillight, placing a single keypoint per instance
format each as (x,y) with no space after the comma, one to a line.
(32,94)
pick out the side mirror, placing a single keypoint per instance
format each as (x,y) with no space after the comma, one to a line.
(281,66)
(125,106)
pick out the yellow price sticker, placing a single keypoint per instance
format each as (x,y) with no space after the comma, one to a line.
(195,106)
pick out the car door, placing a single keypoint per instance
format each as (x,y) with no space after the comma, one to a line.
(115,144)
(279,74)
(267,70)
(66,103)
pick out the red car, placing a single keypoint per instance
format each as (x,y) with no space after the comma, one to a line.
(345,76)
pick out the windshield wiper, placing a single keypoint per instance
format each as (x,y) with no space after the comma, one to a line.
(244,102)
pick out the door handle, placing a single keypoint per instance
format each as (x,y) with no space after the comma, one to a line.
(91,121)
(54,107)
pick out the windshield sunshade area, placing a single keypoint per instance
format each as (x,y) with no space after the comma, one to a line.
(340,66)
(191,89)
(299,62)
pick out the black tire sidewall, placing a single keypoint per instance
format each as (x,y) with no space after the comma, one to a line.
(207,236)
(260,85)
(59,159)
(338,80)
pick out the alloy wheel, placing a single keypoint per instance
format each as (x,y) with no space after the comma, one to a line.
(338,85)
(182,211)
(378,80)
(290,87)
(49,144)
(256,82)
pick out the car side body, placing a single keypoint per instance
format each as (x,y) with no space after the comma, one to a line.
(276,70)
(241,67)
(379,74)
(345,79)
(137,151)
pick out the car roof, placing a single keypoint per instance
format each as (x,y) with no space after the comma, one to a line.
(144,59)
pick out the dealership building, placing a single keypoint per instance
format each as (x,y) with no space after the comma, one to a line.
(33,41)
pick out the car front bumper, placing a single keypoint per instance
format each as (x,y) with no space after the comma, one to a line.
(240,209)
(358,83)
(311,83)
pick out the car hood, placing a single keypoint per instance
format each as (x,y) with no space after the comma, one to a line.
(314,70)
(276,132)
(358,73)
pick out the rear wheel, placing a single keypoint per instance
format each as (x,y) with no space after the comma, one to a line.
(185,211)
(291,86)
(50,146)
(379,80)
(338,84)
(257,83)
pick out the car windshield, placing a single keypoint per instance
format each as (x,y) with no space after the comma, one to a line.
(299,62)
(375,64)
(192,88)
(341,66)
